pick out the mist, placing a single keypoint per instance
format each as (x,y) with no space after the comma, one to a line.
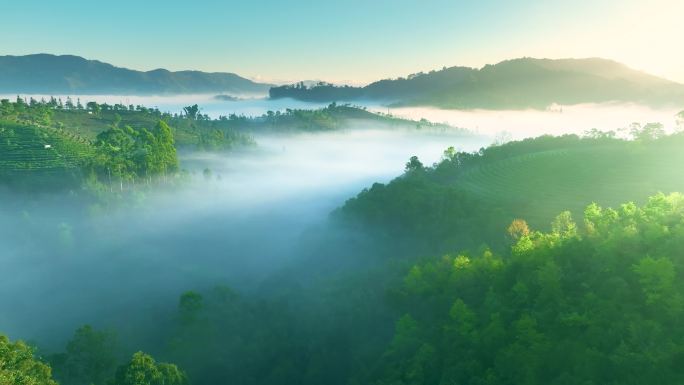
(234,224)
(512,124)
(238,219)
(556,120)
(245,104)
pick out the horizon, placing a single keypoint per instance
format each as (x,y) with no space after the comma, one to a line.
(351,83)
(355,44)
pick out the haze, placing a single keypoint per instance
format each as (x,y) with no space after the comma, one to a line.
(351,43)
(236,227)
(346,202)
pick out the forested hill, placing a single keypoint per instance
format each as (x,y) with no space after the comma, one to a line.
(597,299)
(467,198)
(51,144)
(66,74)
(512,84)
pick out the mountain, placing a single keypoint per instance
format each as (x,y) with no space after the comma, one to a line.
(67,74)
(512,84)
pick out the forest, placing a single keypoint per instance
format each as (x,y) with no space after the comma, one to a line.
(55,143)
(596,301)
(293,192)
(506,265)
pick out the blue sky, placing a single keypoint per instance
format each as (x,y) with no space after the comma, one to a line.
(345,41)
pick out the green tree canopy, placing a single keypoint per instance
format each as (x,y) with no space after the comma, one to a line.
(142,369)
(18,366)
(90,358)
(600,304)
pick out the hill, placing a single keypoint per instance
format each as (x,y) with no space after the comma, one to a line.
(32,156)
(512,84)
(588,302)
(67,74)
(51,143)
(468,198)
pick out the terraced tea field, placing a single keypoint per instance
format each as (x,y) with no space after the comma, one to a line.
(538,185)
(30,151)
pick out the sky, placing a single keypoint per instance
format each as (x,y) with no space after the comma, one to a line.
(350,41)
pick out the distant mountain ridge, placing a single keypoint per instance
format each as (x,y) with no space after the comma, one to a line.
(68,74)
(515,84)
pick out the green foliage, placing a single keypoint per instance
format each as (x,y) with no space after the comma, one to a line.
(18,366)
(467,198)
(333,117)
(414,165)
(191,111)
(650,131)
(597,306)
(37,152)
(34,157)
(189,306)
(63,143)
(128,153)
(90,358)
(222,338)
(144,370)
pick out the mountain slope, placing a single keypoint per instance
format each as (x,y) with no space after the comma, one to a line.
(469,198)
(514,84)
(34,157)
(66,74)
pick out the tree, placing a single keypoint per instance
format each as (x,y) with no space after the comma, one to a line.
(142,369)
(595,133)
(165,147)
(657,278)
(563,225)
(90,358)
(518,229)
(414,164)
(189,306)
(6,107)
(18,366)
(650,131)
(93,107)
(116,146)
(449,154)
(191,111)
(594,308)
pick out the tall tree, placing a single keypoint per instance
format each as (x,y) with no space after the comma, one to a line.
(90,358)
(18,366)
(142,369)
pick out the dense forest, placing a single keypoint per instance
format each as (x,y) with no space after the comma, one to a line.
(45,144)
(472,270)
(596,301)
(289,192)
(512,84)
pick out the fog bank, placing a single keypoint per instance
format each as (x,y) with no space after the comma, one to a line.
(235,224)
